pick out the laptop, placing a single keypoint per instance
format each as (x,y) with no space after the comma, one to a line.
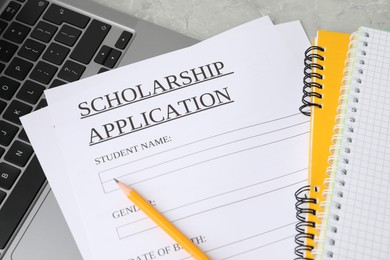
(46,44)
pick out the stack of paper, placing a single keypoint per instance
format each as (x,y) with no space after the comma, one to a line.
(211,135)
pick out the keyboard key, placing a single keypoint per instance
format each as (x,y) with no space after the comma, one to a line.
(8,87)
(57,83)
(22,135)
(31,50)
(18,68)
(31,11)
(10,11)
(2,196)
(102,54)
(15,110)
(112,58)
(7,50)
(2,150)
(101,70)
(68,35)
(7,132)
(19,200)
(43,72)
(19,153)
(56,53)
(2,106)
(58,14)
(41,104)
(123,40)
(3,25)
(71,71)
(90,41)
(30,92)
(2,66)
(8,175)
(16,32)
(44,31)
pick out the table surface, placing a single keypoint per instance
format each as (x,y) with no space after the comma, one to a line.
(202,19)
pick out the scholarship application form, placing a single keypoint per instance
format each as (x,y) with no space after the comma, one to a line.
(213,141)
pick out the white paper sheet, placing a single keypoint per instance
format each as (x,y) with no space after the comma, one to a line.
(39,129)
(41,134)
(126,229)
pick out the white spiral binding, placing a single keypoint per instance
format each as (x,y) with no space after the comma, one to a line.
(342,139)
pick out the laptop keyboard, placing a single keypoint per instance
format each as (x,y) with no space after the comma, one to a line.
(42,45)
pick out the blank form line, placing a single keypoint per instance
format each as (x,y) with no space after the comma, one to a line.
(208,160)
(247,238)
(215,208)
(218,195)
(213,147)
(262,246)
(209,148)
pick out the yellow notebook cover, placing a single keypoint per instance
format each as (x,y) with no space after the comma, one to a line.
(330,57)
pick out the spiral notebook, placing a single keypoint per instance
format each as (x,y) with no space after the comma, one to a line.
(324,63)
(356,221)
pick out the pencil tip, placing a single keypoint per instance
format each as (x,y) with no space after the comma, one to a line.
(116,180)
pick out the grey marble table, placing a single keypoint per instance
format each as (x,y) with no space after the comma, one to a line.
(201,19)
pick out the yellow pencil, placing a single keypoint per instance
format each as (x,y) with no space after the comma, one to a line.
(162,222)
